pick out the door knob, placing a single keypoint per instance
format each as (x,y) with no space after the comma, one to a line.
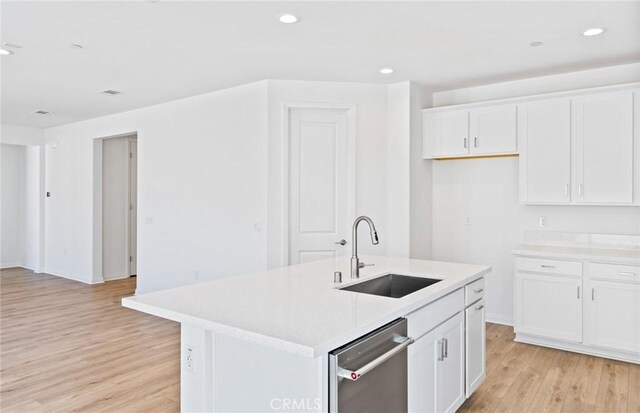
(341,242)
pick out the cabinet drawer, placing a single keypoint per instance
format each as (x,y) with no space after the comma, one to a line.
(428,317)
(613,271)
(546,266)
(473,292)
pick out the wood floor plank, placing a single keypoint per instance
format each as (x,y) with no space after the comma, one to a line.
(555,386)
(583,389)
(613,391)
(634,389)
(67,346)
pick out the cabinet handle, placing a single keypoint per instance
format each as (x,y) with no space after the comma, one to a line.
(478,291)
(446,347)
(466,143)
(566,189)
(548,266)
(627,273)
(593,294)
(480,307)
(441,346)
(475,141)
(580,191)
(578,292)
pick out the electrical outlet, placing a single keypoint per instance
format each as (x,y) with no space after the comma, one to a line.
(542,222)
(467,221)
(189,361)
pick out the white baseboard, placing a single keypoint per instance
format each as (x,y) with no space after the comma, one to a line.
(496,319)
(7,266)
(68,277)
(117,278)
(578,348)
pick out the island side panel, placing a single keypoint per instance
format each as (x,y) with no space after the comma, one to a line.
(234,375)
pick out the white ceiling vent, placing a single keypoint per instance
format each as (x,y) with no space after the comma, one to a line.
(42,112)
(110,92)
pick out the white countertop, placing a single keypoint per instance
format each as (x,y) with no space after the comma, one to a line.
(297,308)
(616,256)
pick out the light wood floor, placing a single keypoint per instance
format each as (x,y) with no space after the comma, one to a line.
(526,378)
(67,346)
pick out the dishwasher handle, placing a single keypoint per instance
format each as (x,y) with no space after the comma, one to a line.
(354,375)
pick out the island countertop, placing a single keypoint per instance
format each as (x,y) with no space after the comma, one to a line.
(298,308)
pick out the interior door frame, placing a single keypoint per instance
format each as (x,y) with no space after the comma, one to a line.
(350,110)
(129,156)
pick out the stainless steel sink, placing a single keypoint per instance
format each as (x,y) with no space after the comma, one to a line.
(391,285)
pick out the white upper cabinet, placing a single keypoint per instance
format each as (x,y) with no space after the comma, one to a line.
(492,130)
(545,144)
(484,131)
(603,137)
(446,133)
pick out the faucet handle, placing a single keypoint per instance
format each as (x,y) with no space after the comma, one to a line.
(362,265)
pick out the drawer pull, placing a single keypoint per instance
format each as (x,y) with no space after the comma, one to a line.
(548,266)
(627,273)
(478,291)
(480,307)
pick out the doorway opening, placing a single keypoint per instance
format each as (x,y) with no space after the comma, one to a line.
(119,197)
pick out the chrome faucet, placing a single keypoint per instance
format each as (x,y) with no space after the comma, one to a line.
(355,261)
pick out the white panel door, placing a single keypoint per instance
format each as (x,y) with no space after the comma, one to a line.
(446,133)
(318,184)
(493,130)
(451,392)
(613,315)
(422,377)
(549,306)
(475,342)
(545,151)
(603,127)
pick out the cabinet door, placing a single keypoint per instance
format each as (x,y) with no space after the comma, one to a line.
(613,315)
(450,369)
(603,127)
(545,151)
(475,339)
(422,358)
(446,133)
(493,130)
(549,306)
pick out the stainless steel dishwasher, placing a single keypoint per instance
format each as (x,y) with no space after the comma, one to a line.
(370,374)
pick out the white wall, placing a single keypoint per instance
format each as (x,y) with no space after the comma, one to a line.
(12,170)
(421,179)
(202,171)
(115,223)
(32,257)
(486,190)
(21,135)
(372,158)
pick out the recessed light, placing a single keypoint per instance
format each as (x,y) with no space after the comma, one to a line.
(288,19)
(5,52)
(109,92)
(42,112)
(386,71)
(594,31)
(535,44)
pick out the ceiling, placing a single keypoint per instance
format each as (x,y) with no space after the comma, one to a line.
(156,52)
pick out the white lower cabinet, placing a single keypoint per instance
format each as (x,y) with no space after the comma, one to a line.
(436,368)
(613,315)
(475,339)
(549,306)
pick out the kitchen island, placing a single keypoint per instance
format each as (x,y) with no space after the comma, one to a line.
(261,342)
